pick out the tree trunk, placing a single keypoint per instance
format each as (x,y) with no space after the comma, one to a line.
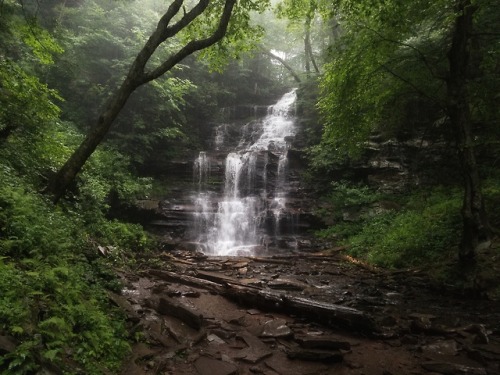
(307,61)
(284,63)
(309,56)
(308,50)
(475,231)
(136,77)
(321,312)
(74,164)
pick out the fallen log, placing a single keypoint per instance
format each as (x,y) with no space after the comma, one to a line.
(186,280)
(266,299)
(322,312)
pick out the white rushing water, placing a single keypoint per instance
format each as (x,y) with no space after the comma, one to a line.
(232,223)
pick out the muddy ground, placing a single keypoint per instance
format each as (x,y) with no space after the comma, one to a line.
(302,314)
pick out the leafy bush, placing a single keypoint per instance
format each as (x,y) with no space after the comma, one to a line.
(61,317)
(344,195)
(426,230)
(52,300)
(122,235)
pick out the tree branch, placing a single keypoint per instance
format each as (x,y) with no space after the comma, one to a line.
(194,45)
(419,53)
(409,83)
(136,77)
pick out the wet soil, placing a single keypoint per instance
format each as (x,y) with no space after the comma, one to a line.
(207,316)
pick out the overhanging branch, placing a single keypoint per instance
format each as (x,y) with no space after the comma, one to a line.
(195,45)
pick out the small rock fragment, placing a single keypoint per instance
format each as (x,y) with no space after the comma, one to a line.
(215,339)
(276,328)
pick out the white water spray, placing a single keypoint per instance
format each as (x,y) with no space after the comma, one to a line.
(233,224)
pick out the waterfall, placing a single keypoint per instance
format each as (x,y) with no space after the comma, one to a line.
(236,220)
(201,169)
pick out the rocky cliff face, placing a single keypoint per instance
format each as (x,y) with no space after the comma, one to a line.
(284,209)
(392,166)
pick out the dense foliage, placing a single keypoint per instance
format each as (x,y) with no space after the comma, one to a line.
(411,229)
(388,70)
(417,69)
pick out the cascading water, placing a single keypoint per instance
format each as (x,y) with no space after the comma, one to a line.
(234,223)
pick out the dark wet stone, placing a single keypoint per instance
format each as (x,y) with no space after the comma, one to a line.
(448,347)
(447,368)
(285,284)
(239,320)
(315,355)
(223,333)
(388,321)
(125,305)
(174,293)
(257,370)
(209,366)
(480,331)
(7,344)
(322,342)
(256,350)
(276,328)
(420,325)
(188,315)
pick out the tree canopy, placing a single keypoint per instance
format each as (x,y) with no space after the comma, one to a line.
(394,56)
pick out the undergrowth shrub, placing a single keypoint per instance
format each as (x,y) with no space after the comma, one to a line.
(53,302)
(425,229)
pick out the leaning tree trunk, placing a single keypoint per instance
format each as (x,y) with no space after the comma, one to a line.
(308,51)
(59,184)
(167,28)
(284,63)
(475,230)
(309,56)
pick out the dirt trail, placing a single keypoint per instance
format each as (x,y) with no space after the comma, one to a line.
(302,314)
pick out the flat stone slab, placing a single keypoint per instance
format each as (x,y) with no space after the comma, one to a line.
(446,347)
(315,355)
(169,306)
(276,328)
(286,284)
(322,342)
(282,365)
(256,350)
(448,368)
(210,366)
